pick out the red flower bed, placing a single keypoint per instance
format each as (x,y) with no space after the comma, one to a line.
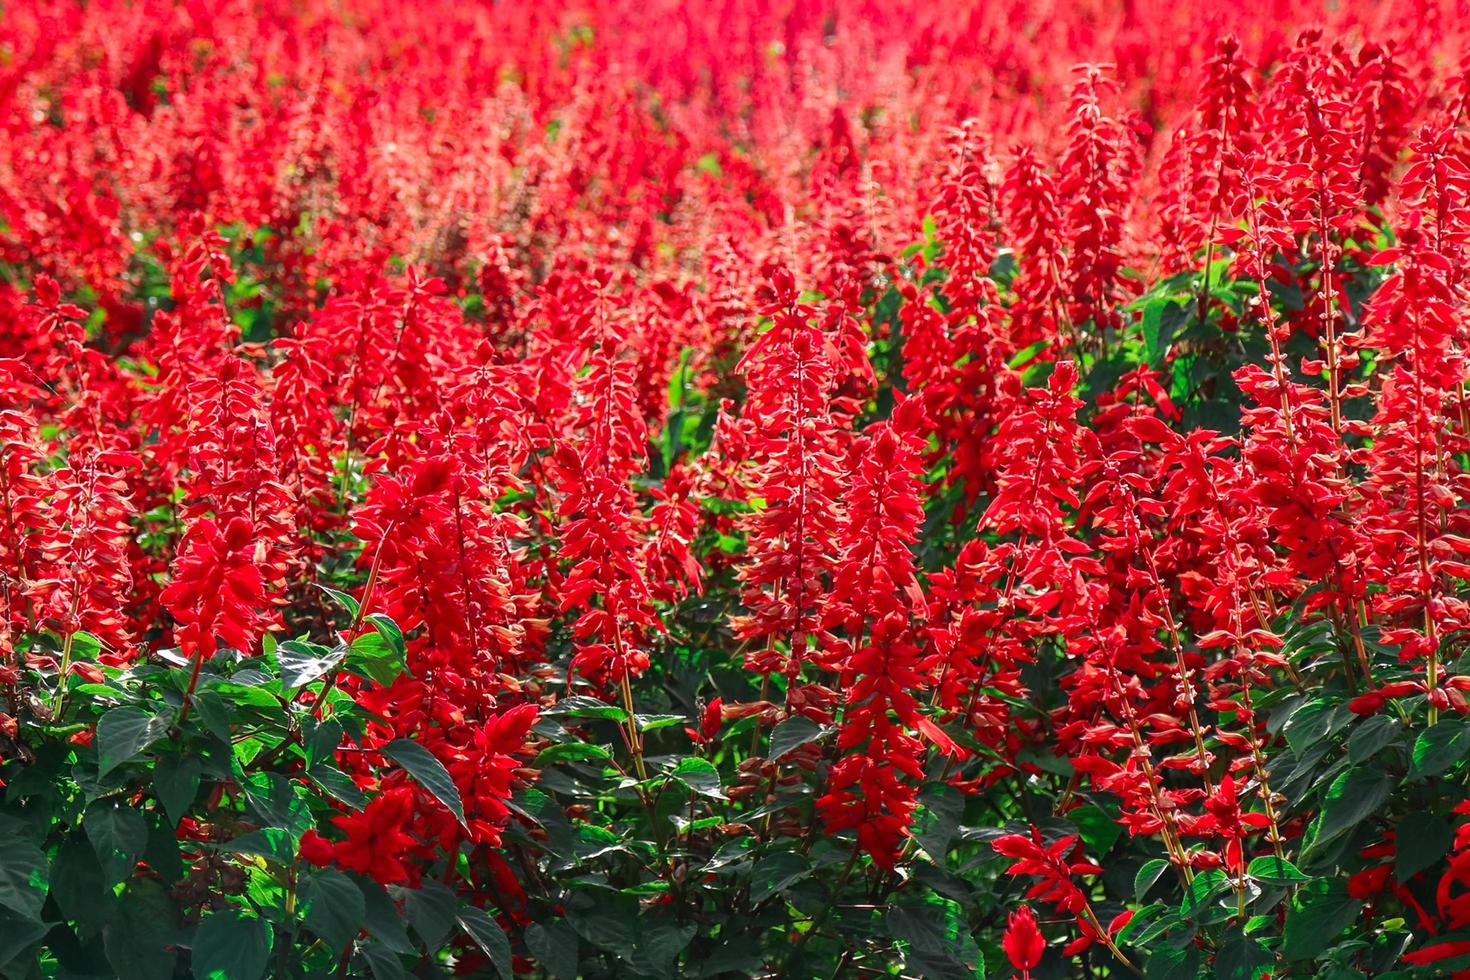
(812,490)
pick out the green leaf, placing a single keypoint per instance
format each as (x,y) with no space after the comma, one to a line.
(381,917)
(384,963)
(608,920)
(231,945)
(124,732)
(1320,912)
(1205,886)
(390,632)
(491,939)
(140,932)
(1153,312)
(272,843)
(17,933)
(337,784)
(162,853)
(1147,875)
(1152,919)
(1421,840)
(776,872)
(1313,722)
(936,937)
(77,884)
(1173,963)
(791,735)
(333,905)
(1440,747)
(372,657)
(176,784)
(278,801)
(342,599)
(1371,736)
(23,876)
(1242,958)
(321,741)
(1275,871)
(554,944)
(582,706)
(699,775)
(429,771)
(660,946)
(652,723)
(1353,796)
(1099,830)
(301,663)
(118,833)
(430,910)
(210,709)
(571,752)
(939,820)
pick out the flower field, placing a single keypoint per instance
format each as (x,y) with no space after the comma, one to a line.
(802,489)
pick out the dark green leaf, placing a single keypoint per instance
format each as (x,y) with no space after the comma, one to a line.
(77,884)
(791,735)
(140,933)
(17,933)
(1173,963)
(1099,830)
(1372,735)
(661,946)
(571,752)
(1320,912)
(1148,874)
(231,945)
(384,963)
(699,775)
(936,937)
(491,939)
(278,801)
(124,732)
(939,820)
(430,910)
(554,944)
(1353,797)
(118,833)
(272,843)
(342,599)
(23,876)
(582,706)
(381,917)
(1242,958)
(1421,840)
(1205,886)
(176,783)
(333,905)
(607,920)
(429,771)
(337,784)
(1275,871)
(776,872)
(1440,747)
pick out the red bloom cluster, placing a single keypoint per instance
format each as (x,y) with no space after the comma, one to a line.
(898,417)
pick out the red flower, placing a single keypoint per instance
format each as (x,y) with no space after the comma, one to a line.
(375,843)
(1024,944)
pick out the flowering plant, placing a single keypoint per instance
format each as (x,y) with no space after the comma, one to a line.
(924,490)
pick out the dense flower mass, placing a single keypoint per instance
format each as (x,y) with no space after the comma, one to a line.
(807,489)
